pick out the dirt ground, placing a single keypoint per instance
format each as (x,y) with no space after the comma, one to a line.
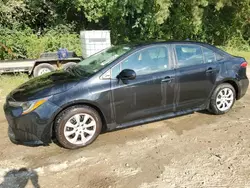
(196,150)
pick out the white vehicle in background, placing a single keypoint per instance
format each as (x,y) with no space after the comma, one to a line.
(92,42)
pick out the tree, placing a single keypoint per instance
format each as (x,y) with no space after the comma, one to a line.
(220,22)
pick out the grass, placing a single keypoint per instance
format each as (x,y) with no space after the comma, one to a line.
(246,55)
(10,82)
(236,52)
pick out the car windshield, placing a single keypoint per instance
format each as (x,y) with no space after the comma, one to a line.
(97,61)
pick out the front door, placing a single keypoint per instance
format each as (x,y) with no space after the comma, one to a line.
(151,93)
(195,75)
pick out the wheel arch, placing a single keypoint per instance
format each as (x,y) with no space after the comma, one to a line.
(103,118)
(235,85)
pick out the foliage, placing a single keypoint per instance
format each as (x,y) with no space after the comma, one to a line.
(28,45)
(29,27)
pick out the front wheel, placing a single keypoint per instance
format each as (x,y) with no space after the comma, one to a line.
(77,126)
(222,99)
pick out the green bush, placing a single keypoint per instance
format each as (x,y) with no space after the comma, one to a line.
(238,43)
(24,43)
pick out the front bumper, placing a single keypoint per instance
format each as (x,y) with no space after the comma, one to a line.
(31,129)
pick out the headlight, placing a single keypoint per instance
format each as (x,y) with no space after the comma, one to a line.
(28,106)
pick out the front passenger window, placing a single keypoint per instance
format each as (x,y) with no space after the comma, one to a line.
(148,61)
(115,71)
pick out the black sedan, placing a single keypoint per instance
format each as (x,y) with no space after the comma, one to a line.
(124,86)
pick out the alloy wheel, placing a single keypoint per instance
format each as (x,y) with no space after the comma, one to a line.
(225,99)
(80,128)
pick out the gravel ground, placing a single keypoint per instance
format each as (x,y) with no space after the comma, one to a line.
(196,150)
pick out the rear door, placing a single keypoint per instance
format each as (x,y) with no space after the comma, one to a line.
(151,93)
(195,75)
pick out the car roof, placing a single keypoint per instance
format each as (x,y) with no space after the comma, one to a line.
(141,44)
(145,44)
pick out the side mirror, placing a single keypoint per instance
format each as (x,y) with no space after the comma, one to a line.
(127,74)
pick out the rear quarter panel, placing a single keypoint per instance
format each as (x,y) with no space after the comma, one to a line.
(233,72)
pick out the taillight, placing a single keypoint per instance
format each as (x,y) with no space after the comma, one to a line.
(244,64)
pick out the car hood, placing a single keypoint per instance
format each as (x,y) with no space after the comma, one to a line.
(46,85)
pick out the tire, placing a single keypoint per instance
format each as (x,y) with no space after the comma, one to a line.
(69,64)
(220,105)
(43,69)
(66,123)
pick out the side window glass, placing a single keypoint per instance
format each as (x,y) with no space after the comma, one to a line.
(209,55)
(188,55)
(219,57)
(147,61)
(115,71)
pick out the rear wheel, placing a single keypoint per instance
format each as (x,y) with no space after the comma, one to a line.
(43,69)
(223,99)
(77,126)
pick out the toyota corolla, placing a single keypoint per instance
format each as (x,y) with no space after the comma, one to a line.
(124,86)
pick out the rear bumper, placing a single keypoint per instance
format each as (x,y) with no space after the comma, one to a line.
(243,85)
(31,129)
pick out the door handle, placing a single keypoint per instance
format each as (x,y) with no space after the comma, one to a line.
(167,79)
(210,70)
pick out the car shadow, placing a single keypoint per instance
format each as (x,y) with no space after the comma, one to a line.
(205,112)
(146,122)
(20,178)
(104,131)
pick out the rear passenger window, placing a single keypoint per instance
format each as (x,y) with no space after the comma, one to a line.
(218,57)
(188,55)
(209,55)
